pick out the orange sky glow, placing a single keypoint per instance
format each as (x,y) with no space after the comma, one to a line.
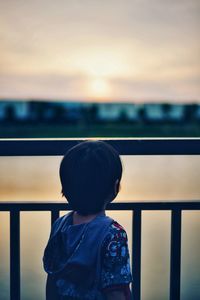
(100,50)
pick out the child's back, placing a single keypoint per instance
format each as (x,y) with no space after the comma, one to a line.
(87,254)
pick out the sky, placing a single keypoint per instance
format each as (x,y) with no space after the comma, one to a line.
(108,50)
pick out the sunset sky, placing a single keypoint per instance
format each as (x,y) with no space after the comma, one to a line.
(124,50)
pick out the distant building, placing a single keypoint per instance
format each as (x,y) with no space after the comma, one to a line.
(56,111)
(132,112)
(117,112)
(14,110)
(164,112)
(90,113)
(197,113)
(153,113)
(73,111)
(108,112)
(176,113)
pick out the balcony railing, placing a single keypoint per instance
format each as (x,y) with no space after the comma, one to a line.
(47,147)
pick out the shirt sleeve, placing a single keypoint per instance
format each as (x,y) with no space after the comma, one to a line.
(115,272)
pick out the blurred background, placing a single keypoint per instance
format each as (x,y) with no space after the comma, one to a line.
(117,68)
(23,119)
(102,69)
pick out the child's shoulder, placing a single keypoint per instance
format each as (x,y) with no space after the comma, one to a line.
(114,250)
(116,236)
(117,230)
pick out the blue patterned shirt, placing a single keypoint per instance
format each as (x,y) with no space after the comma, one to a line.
(115,258)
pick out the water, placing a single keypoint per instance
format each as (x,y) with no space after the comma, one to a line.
(144,178)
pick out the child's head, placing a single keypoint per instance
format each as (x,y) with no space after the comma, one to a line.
(90,174)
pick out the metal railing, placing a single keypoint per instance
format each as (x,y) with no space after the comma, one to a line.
(47,147)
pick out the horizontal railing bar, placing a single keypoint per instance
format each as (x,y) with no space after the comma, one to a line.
(53,205)
(128,146)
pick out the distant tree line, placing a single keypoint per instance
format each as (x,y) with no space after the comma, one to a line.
(90,113)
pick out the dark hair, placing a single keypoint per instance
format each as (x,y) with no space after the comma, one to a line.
(88,173)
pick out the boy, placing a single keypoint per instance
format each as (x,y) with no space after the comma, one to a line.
(87,254)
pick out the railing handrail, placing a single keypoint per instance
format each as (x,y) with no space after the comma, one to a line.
(127,146)
(131,205)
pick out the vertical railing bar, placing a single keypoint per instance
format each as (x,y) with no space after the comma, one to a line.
(54,215)
(175,257)
(136,254)
(14,255)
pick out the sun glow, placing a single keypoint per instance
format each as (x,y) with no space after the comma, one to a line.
(98,88)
